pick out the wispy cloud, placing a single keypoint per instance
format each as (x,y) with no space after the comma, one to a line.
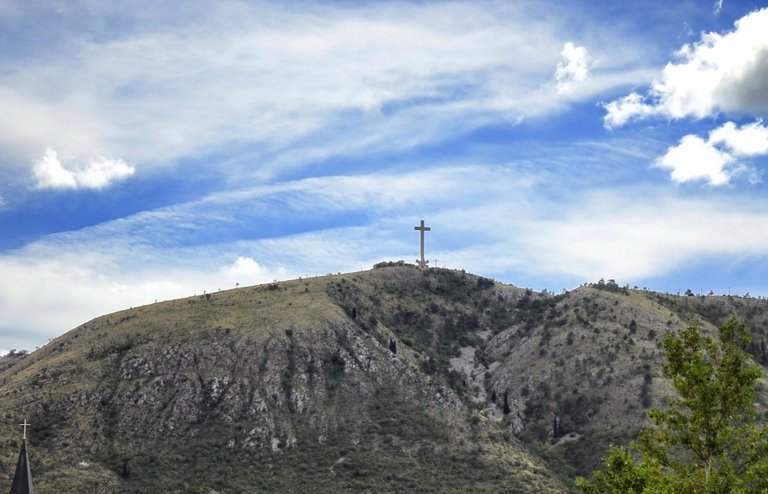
(718,6)
(499,219)
(227,238)
(609,236)
(30,120)
(270,79)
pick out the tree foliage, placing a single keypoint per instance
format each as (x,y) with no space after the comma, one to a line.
(707,441)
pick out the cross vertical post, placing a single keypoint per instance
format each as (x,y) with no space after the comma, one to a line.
(422,263)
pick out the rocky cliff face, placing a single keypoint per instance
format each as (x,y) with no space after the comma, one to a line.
(389,380)
(264,388)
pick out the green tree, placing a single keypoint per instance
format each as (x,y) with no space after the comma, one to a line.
(707,441)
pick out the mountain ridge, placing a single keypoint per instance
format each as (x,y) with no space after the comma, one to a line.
(354,382)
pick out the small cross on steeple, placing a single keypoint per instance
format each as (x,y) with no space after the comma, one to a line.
(22,478)
(25,425)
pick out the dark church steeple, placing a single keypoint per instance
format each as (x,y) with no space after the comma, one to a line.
(22,479)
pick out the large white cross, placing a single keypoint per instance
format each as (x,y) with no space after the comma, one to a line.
(25,425)
(421,228)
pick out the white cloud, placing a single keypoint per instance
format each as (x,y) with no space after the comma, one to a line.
(720,73)
(748,140)
(573,68)
(244,270)
(50,174)
(98,173)
(716,159)
(622,110)
(696,159)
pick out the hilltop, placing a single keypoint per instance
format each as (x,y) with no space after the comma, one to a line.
(388,380)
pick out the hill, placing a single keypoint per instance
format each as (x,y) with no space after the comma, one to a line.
(389,380)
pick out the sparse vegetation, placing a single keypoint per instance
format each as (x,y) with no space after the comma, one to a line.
(318,380)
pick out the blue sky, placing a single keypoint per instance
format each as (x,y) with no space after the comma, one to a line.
(149,151)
